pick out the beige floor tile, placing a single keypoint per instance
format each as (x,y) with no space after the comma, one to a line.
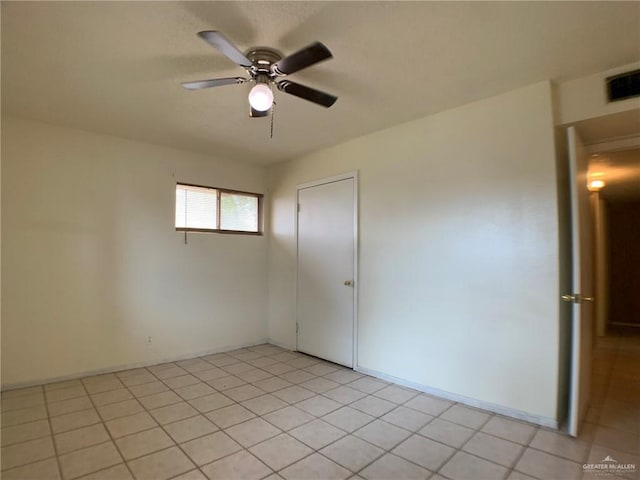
(382,434)
(321,369)
(192,475)
(148,389)
(65,394)
(143,443)
(42,470)
(225,383)
(167,370)
(112,396)
(161,465)
(24,415)
(252,431)
(407,418)
(281,451)
(104,384)
(288,418)
(181,381)
(561,445)
(392,467)
(220,359)
(239,466)
(24,432)
(211,402)
(173,413)
(194,365)
(448,433)
(319,385)
(368,384)
(396,394)
(518,476)
(71,421)
(194,391)
(272,384)
(19,392)
(510,430)
(374,406)
(467,467)
(210,448)
(352,453)
(81,438)
(120,409)
(317,434)
(27,452)
(211,374)
(117,472)
(24,401)
(542,465)
(423,451)
(64,384)
(239,367)
(243,392)
(344,376)
(493,448)
(132,424)
(252,376)
(297,376)
(227,416)
(315,466)
(68,406)
(303,362)
(344,394)
(138,379)
(348,419)
(161,399)
(88,460)
(278,368)
(262,362)
(428,404)
(468,417)
(190,428)
(264,404)
(622,440)
(318,405)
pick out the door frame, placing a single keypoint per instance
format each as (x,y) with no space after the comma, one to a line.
(356,284)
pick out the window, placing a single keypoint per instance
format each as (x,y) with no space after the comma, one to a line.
(208,209)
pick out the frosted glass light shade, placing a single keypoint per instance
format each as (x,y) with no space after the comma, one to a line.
(261,97)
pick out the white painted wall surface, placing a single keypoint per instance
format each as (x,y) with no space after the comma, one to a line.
(458,249)
(92,266)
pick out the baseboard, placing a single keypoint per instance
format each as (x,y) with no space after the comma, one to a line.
(472,402)
(130,366)
(280,344)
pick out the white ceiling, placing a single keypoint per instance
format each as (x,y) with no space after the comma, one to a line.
(116,67)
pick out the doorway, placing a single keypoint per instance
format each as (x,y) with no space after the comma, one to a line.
(327,268)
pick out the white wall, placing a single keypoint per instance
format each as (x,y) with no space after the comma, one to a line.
(586,97)
(459,247)
(92,266)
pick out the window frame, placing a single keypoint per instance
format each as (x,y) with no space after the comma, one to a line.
(219,192)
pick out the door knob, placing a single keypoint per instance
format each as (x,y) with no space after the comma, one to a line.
(348,283)
(577,298)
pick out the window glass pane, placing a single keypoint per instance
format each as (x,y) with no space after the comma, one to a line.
(195,207)
(238,212)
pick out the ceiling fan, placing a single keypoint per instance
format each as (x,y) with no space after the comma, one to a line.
(265,67)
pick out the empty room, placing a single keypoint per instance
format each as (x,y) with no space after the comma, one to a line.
(320,240)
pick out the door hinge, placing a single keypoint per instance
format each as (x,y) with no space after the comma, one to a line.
(296,328)
(298,208)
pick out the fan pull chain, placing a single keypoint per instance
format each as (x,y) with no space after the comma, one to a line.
(273,109)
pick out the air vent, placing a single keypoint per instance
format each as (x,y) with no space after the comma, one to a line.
(623,86)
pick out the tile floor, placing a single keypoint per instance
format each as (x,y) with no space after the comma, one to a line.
(266,413)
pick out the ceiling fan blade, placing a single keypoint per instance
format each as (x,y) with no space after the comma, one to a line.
(225,46)
(314,53)
(308,93)
(215,82)
(257,113)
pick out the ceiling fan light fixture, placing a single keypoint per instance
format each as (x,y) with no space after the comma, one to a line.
(261,97)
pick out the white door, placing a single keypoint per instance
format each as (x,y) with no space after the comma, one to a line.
(326,270)
(582,284)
